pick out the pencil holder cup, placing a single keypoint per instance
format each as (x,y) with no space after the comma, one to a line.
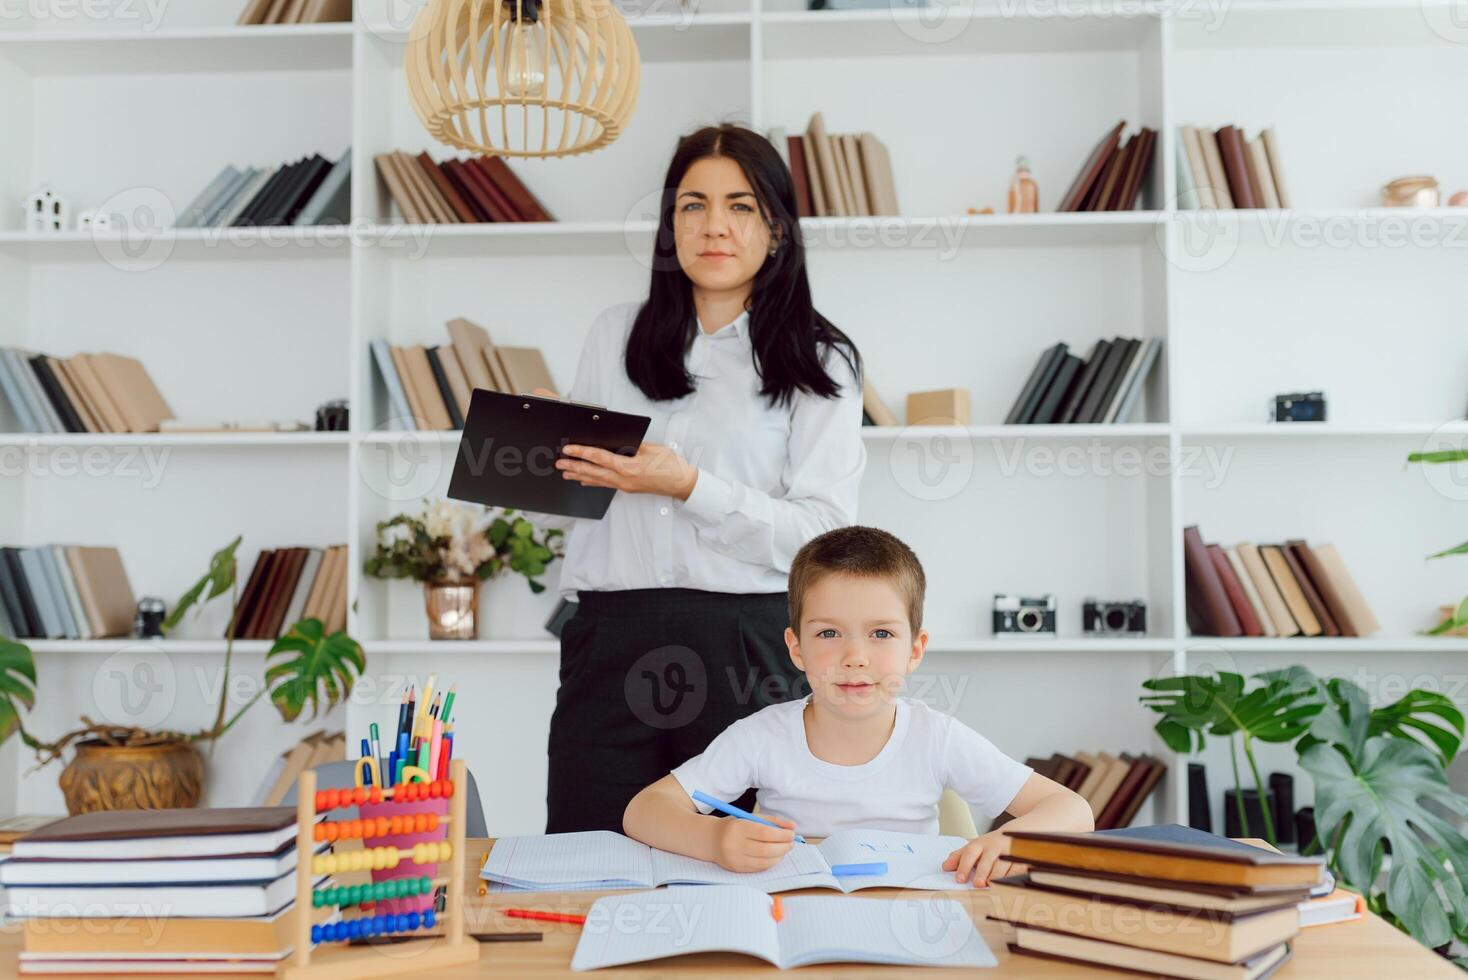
(406,868)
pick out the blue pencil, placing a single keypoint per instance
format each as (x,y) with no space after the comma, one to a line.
(734,811)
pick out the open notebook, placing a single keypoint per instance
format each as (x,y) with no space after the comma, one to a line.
(599,860)
(644,926)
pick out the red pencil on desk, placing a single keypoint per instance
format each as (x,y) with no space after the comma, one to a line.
(544,916)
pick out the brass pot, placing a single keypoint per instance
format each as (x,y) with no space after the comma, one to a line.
(452,607)
(164,776)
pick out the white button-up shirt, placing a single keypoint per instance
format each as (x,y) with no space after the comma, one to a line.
(769,478)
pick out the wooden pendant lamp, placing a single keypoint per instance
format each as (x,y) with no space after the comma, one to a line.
(523,78)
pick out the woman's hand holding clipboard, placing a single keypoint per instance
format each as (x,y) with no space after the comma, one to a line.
(655,469)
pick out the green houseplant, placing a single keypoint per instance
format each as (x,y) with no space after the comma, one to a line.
(1458,618)
(120,766)
(1380,786)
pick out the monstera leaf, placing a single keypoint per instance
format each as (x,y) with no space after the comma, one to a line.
(1195,705)
(1361,811)
(307,667)
(17,684)
(218,580)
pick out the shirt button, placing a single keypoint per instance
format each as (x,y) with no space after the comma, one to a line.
(672,445)
(663,511)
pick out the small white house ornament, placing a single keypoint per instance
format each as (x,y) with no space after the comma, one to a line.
(94,221)
(45,210)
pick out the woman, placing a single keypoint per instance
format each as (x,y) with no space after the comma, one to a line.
(754,448)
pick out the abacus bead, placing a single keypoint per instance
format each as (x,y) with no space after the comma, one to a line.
(434,790)
(412,920)
(359,795)
(318,833)
(448,788)
(315,934)
(316,899)
(330,831)
(395,825)
(428,919)
(321,800)
(382,823)
(333,797)
(400,923)
(376,795)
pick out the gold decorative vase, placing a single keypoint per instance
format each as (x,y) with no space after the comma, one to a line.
(452,607)
(164,776)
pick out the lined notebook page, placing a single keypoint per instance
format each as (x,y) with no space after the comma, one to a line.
(570,861)
(913,860)
(673,921)
(794,871)
(922,932)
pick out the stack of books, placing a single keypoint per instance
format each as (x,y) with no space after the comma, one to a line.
(1113,175)
(81,393)
(1290,589)
(295,11)
(288,585)
(1115,786)
(162,891)
(1226,169)
(475,189)
(429,387)
(1105,387)
(837,174)
(308,191)
(64,592)
(1165,900)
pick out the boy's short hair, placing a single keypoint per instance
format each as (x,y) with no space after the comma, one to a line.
(865,552)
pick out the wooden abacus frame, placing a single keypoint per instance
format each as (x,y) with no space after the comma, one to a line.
(453,948)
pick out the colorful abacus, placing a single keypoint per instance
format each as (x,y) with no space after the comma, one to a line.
(452,948)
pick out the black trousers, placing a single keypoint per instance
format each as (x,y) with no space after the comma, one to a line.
(648,678)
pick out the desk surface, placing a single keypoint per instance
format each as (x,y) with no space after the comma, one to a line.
(1366,948)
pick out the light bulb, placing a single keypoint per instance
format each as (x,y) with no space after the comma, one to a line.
(525,64)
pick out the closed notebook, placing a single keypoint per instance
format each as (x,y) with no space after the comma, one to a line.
(155,834)
(1068,948)
(190,901)
(259,935)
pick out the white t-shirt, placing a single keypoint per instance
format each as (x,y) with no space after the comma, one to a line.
(898,790)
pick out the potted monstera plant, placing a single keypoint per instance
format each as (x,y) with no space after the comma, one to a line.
(1456,620)
(1382,799)
(121,767)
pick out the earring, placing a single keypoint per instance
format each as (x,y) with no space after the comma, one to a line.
(775,247)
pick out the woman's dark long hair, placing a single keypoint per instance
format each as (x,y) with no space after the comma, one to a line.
(788,336)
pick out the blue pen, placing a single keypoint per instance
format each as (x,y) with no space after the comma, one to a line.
(734,811)
(367,754)
(852,870)
(397,775)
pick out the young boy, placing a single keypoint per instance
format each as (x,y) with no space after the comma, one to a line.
(855,753)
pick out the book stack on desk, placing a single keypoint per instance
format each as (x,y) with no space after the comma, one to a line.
(157,891)
(1164,900)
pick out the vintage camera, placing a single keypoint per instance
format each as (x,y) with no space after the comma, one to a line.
(1032,615)
(332,416)
(148,617)
(1307,406)
(1127,618)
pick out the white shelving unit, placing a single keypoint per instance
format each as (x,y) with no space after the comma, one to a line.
(1337,294)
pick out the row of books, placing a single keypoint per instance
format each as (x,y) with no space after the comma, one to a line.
(287,585)
(1112,176)
(295,12)
(1290,589)
(216,888)
(1116,786)
(837,174)
(1226,169)
(81,393)
(1208,907)
(64,592)
(1105,387)
(429,387)
(309,191)
(474,189)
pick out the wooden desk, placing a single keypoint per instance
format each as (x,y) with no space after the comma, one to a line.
(1367,948)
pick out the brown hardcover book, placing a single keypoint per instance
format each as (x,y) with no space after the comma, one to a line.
(102,585)
(525,203)
(171,936)
(1157,769)
(470,341)
(1320,579)
(72,393)
(84,369)
(387,168)
(446,190)
(127,383)
(428,196)
(129,825)
(410,390)
(876,163)
(274,560)
(453,171)
(1291,552)
(1258,159)
(1235,165)
(1090,172)
(249,595)
(1213,161)
(1062,768)
(1079,774)
(293,11)
(415,356)
(73,372)
(803,206)
(813,176)
(1345,586)
(502,207)
(875,408)
(1097,769)
(254,13)
(328,11)
(1289,589)
(453,372)
(524,369)
(1251,592)
(854,170)
(314,600)
(1060,947)
(337,573)
(272,15)
(1228,899)
(1269,594)
(1139,165)
(830,183)
(1248,622)
(1128,787)
(336,612)
(280,597)
(1116,770)
(1108,188)
(1204,582)
(1145,857)
(1276,167)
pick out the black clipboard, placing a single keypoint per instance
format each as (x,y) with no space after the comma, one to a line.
(507,454)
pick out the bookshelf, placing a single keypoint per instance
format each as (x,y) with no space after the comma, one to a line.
(1337,294)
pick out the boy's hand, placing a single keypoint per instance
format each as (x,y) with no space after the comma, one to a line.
(748,846)
(980,860)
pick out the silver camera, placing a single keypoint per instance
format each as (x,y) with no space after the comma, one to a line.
(1024,615)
